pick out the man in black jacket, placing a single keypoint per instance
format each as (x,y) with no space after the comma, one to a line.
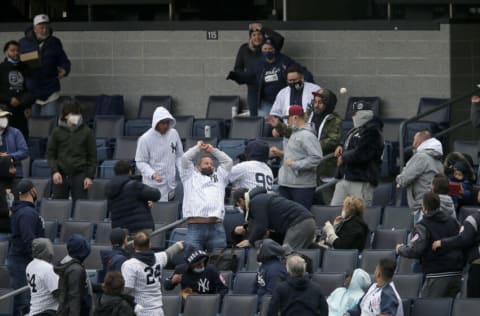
(129,200)
(271,212)
(360,157)
(13,93)
(298,295)
(442,268)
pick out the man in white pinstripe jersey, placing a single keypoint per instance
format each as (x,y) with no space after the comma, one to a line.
(204,194)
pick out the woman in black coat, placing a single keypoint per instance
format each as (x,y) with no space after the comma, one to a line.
(349,230)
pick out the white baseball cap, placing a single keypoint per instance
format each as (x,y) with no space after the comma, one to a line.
(41,18)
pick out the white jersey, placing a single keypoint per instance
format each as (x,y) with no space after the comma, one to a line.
(251,174)
(42,281)
(145,282)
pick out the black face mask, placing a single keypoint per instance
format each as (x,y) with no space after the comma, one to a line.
(298,85)
(206,171)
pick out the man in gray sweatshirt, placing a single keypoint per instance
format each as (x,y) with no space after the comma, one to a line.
(297,177)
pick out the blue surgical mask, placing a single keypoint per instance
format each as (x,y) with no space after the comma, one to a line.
(12,61)
(268,55)
(198,270)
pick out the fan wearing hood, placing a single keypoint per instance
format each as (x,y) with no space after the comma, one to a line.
(255,171)
(460,171)
(74,298)
(298,294)
(158,151)
(272,269)
(346,297)
(51,65)
(418,173)
(42,280)
(359,158)
(72,154)
(196,276)
(7,183)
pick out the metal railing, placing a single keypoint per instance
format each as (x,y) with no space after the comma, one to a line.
(401,144)
(154,233)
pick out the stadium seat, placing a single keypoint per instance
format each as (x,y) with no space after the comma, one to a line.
(172,304)
(244,282)
(3,251)
(374,103)
(109,126)
(391,128)
(314,255)
(408,285)
(246,127)
(184,126)
(40,169)
(102,233)
(239,305)
(388,167)
(192,141)
(325,213)
(397,218)
(465,211)
(441,117)
(405,265)
(105,170)
(432,306)
(466,306)
(83,228)
(4,277)
(92,211)
(252,263)
(97,190)
(389,238)
(94,260)
(217,128)
(165,212)
(42,186)
(470,147)
(372,217)
(89,106)
(137,127)
(51,229)
(232,147)
(328,282)
(206,303)
(6,305)
(40,128)
(59,252)
(220,106)
(104,148)
(56,210)
(407,306)
(265,304)
(125,148)
(340,261)
(371,257)
(384,194)
(148,104)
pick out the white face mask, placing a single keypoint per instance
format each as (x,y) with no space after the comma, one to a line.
(74,119)
(3,122)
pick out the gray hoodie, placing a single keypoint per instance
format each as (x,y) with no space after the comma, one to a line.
(42,249)
(447,206)
(303,148)
(418,173)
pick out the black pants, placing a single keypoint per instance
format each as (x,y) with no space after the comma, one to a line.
(71,185)
(473,283)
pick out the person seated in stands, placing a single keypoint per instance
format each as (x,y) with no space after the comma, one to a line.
(196,276)
(113,301)
(298,294)
(460,169)
(129,200)
(272,270)
(440,186)
(112,260)
(349,231)
(347,296)
(382,298)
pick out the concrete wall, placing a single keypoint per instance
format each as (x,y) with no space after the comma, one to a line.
(399,66)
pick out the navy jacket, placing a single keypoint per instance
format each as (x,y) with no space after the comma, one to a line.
(43,81)
(112,260)
(207,282)
(127,203)
(26,225)
(16,147)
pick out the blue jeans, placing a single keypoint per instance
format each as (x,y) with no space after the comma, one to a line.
(16,268)
(49,109)
(302,196)
(206,236)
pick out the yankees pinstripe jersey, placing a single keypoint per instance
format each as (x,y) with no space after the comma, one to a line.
(42,281)
(204,195)
(251,174)
(145,282)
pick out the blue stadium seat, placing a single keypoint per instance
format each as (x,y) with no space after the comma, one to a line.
(375,104)
(137,127)
(217,128)
(232,147)
(220,106)
(246,127)
(148,104)
(184,125)
(40,169)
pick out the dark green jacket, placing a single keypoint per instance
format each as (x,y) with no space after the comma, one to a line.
(72,151)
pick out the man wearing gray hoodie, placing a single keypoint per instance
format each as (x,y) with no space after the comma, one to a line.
(418,173)
(43,281)
(158,151)
(298,175)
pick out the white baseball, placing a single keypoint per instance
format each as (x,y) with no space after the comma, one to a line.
(343,90)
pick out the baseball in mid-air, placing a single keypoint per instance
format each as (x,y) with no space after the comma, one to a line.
(343,90)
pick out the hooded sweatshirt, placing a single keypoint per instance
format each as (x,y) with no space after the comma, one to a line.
(419,171)
(43,281)
(304,150)
(298,296)
(158,153)
(342,299)
(272,270)
(447,206)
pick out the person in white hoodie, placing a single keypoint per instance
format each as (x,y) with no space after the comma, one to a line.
(158,151)
(418,173)
(346,297)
